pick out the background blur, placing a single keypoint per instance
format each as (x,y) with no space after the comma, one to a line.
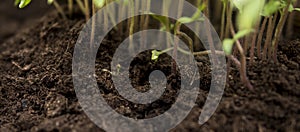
(13,19)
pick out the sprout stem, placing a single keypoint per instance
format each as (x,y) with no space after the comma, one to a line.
(81,6)
(269,36)
(87,10)
(260,36)
(278,31)
(223,19)
(229,21)
(70,6)
(131,27)
(290,23)
(243,69)
(254,37)
(59,9)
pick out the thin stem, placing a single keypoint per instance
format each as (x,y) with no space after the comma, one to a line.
(254,37)
(165,12)
(223,19)
(142,21)
(228,21)
(243,68)
(176,31)
(59,9)
(111,13)
(87,10)
(201,53)
(210,41)
(235,60)
(105,18)
(146,23)
(290,23)
(93,26)
(278,31)
(81,6)
(268,39)
(196,40)
(260,36)
(121,12)
(131,27)
(136,11)
(70,6)
(206,10)
(246,44)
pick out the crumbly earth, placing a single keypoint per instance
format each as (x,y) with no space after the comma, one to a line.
(37,94)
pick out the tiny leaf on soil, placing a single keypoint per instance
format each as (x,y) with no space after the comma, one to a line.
(22,3)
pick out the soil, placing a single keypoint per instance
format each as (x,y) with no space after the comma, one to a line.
(37,94)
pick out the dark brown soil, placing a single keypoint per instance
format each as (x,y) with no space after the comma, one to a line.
(37,94)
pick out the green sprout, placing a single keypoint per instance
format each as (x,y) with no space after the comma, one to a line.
(22,3)
(155,53)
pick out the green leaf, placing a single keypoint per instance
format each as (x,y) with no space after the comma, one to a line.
(197,14)
(99,3)
(250,14)
(50,2)
(161,19)
(17,2)
(227,46)
(271,7)
(239,4)
(291,8)
(242,33)
(155,55)
(297,9)
(185,20)
(24,3)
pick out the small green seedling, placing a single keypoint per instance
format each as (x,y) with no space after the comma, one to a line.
(156,54)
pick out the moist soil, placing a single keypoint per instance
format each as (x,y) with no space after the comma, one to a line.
(37,93)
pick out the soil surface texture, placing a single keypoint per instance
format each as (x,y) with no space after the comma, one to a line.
(37,93)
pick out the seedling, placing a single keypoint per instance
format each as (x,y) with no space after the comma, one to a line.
(249,11)
(156,54)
